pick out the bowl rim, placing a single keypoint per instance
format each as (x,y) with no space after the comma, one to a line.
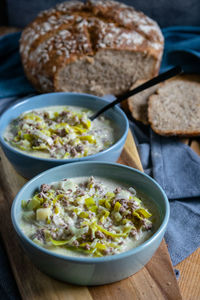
(86,260)
(55,160)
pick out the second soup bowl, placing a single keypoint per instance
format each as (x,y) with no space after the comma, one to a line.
(28,165)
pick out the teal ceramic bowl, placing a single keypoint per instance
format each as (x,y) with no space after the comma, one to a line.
(29,166)
(102,270)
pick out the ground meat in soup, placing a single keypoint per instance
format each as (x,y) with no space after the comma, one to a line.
(88,217)
(60,132)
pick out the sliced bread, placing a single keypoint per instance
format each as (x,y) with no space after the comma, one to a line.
(175,108)
(138,104)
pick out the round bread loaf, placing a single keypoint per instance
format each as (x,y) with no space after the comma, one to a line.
(99,47)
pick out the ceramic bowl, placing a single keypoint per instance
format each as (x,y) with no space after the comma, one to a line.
(29,166)
(101,270)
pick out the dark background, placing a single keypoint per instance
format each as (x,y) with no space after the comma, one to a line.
(166,12)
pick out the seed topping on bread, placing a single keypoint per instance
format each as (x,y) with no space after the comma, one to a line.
(73,31)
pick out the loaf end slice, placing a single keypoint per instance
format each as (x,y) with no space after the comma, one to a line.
(175,108)
(138,104)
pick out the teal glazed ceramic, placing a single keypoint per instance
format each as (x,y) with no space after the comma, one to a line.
(29,166)
(101,270)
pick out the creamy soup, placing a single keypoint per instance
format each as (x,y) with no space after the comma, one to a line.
(88,217)
(60,132)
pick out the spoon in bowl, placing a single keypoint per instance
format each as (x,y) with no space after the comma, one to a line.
(161,77)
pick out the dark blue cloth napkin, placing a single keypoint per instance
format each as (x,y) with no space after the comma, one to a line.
(182,46)
(13,82)
(174,165)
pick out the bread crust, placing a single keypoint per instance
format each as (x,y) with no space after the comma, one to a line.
(73,30)
(194,79)
(131,107)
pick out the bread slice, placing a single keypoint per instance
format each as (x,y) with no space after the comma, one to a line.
(175,108)
(138,104)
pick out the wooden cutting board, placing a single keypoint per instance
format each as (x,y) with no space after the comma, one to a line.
(155,281)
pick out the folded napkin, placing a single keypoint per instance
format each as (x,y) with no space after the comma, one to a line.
(182,46)
(174,165)
(13,82)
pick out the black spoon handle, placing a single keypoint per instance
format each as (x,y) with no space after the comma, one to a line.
(164,76)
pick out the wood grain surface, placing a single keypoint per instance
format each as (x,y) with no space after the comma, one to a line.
(155,281)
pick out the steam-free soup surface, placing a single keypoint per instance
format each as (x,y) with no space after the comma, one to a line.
(60,132)
(89,217)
